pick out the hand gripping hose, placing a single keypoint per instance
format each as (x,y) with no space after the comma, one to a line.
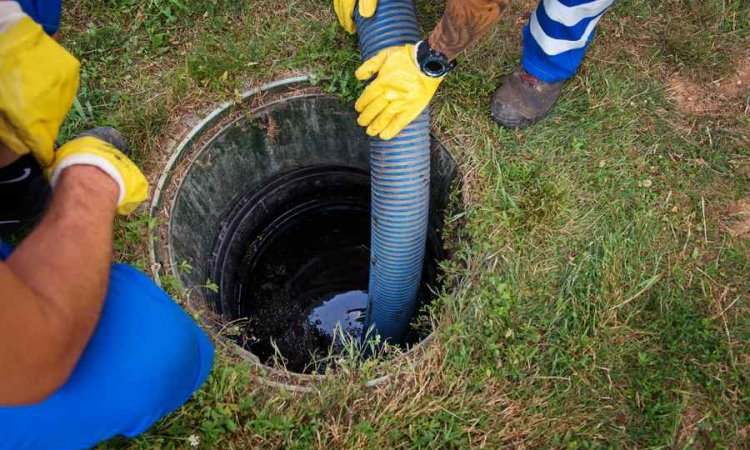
(400,172)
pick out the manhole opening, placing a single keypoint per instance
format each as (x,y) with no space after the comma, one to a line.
(269,226)
(293,267)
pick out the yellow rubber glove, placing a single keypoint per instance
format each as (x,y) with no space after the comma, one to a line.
(90,151)
(397,96)
(38,82)
(345,12)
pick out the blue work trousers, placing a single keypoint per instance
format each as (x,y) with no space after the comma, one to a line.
(557,35)
(145,359)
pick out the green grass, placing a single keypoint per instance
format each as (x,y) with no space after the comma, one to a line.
(597,299)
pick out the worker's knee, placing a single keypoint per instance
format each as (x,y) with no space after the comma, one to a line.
(163,355)
(146,358)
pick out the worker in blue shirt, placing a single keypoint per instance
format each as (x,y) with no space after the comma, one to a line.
(88,350)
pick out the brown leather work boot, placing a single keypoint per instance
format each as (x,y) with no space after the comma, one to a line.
(523,99)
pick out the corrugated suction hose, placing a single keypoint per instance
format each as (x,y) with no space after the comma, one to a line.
(400,171)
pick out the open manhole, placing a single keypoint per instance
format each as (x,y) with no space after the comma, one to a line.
(265,212)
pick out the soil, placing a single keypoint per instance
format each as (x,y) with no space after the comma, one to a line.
(686,432)
(737,218)
(694,98)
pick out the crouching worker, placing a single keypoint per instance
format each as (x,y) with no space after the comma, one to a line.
(88,350)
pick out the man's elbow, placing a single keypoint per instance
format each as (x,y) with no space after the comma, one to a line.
(36,386)
(46,368)
(37,391)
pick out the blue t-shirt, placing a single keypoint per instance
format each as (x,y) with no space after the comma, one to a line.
(5,250)
(44,12)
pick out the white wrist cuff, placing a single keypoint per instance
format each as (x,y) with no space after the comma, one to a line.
(87,159)
(416,50)
(10,14)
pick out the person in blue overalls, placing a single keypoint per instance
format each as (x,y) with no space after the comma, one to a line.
(88,350)
(406,77)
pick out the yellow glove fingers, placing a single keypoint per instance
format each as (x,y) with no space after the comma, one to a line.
(372,93)
(401,83)
(372,111)
(345,13)
(383,120)
(371,66)
(347,16)
(398,123)
(337,10)
(367,7)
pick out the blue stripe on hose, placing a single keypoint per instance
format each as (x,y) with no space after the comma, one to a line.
(400,170)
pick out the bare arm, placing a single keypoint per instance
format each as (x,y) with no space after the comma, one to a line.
(7,157)
(53,286)
(464,23)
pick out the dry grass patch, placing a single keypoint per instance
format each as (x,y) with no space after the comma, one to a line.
(728,95)
(736,219)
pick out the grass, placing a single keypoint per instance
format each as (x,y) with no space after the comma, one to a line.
(600,298)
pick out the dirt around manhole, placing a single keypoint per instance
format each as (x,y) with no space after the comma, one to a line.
(736,220)
(688,427)
(724,95)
